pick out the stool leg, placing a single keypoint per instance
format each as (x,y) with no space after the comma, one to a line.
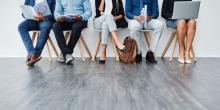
(98,41)
(48,48)
(146,39)
(174,47)
(67,37)
(193,54)
(52,45)
(114,48)
(34,35)
(86,47)
(81,50)
(168,44)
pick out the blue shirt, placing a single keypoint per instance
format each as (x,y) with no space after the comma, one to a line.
(73,7)
(133,8)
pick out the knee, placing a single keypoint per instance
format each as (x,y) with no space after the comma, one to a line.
(56,26)
(21,27)
(104,26)
(160,25)
(134,27)
(46,27)
(109,17)
(77,27)
(192,24)
(181,23)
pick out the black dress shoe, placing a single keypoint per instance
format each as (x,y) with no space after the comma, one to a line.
(138,58)
(150,57)
(101,61)
(123,49)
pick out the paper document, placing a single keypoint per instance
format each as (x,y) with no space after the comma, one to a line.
(29,12)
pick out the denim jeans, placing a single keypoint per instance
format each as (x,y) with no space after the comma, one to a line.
(76,28)
(32,25)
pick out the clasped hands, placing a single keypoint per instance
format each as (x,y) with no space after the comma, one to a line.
(75,18)
(142,18)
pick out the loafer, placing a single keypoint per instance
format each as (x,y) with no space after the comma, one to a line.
(34,59)
(138,58)
(150,57)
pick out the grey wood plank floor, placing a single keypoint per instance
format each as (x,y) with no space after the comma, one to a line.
(114,86)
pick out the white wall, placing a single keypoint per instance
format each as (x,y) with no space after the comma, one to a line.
(206,43)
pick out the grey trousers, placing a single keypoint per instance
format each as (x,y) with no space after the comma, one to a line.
(107,24)
(155,25)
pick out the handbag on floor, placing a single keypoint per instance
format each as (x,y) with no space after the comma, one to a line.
(129,55)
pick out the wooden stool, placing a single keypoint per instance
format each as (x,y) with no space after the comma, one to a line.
(98,42)
(49,41)
(80,43)
(173,38)
(147,36)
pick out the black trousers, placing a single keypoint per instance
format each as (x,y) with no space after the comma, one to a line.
(76,28)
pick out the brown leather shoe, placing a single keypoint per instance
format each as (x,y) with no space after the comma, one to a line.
(28,58)
(34,59)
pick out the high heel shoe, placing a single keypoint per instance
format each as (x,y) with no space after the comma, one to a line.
(123,49)
(182,61)
(188,61)
(101,61)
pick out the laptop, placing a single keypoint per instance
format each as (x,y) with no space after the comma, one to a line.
(186,10)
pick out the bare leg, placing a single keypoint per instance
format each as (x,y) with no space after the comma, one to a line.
(191,29)
(117,41)
(103,51)
(181,27)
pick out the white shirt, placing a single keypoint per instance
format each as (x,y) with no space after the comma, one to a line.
(38,1)
(108,7)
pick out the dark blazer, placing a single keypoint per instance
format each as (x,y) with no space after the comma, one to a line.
(117,10)
(51,4)
(167,8)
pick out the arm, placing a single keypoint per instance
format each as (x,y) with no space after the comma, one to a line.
(51,4)
(58,9)
(121,11)
(155,11)
(128,8)
(26,2)
(87,10)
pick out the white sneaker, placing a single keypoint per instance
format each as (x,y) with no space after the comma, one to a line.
(69,59)
(60,58)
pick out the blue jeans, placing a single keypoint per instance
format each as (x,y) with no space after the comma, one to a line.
(31,25)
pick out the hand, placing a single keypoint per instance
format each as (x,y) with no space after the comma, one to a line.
(60,18)
(139,18)
(115,18)
(119,17)
(77,18)
(39,17)
(149,18)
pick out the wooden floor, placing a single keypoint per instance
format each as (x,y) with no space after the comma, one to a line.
(114,86)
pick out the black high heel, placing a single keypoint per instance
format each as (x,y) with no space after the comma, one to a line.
(101,61)
(123,49)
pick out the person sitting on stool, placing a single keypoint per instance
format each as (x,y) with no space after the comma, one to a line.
(42,23)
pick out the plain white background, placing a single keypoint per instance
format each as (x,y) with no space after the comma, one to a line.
(206,42)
